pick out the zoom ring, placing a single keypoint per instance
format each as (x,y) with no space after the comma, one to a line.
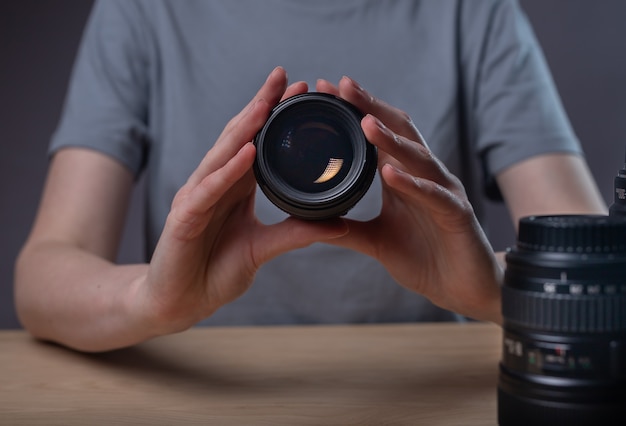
(564,313)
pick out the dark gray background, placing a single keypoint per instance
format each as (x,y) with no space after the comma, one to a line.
(584,42)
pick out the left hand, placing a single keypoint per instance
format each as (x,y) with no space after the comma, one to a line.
(426,235)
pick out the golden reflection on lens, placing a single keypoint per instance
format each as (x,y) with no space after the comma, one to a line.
(333,167)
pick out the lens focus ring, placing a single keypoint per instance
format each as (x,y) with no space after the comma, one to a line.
(572,234)
(564,313)
(566,275)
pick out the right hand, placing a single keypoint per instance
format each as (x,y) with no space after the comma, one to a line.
(212,243)
(426,235)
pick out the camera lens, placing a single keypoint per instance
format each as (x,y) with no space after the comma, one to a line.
(564,309)
(618,208)
(313,160)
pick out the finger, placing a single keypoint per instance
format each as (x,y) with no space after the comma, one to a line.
(441,201)
(363,236)
(271,92)
(294,89)
(191,215)
(242,128)
(394,118)
(293,233)
(413,157)
(325,86)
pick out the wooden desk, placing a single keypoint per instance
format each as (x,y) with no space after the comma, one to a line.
(428,374)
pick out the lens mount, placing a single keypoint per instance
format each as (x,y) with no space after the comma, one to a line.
(313,160)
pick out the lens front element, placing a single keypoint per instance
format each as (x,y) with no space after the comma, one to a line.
(314,153)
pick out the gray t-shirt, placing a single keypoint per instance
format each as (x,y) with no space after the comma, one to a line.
(155,82)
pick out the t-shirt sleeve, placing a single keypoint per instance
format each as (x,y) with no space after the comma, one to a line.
(106,105)
(514,109)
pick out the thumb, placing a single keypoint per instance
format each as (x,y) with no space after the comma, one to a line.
(293,233)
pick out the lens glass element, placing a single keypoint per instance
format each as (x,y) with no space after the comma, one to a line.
(314,153)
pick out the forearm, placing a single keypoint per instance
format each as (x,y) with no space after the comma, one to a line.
(77,299)
(548,185)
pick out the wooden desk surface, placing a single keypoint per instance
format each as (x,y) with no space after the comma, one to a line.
(422,374)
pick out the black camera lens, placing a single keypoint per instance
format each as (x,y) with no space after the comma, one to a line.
(313,160)
(618,208)
(564,309)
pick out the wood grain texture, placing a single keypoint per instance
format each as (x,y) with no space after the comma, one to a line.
(418,374)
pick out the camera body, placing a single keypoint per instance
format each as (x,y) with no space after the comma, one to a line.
(313,160)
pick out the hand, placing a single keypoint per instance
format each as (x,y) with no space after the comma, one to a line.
(426,235)
(212,243)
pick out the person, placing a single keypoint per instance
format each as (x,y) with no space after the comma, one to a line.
(155,81)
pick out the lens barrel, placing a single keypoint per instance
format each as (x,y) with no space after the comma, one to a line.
(564,309)
(313,160)
(618,208)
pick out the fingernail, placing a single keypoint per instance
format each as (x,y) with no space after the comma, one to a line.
(390,167)
(393,169)
(354,84)
(274,71)
(378,123)
(319,81)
